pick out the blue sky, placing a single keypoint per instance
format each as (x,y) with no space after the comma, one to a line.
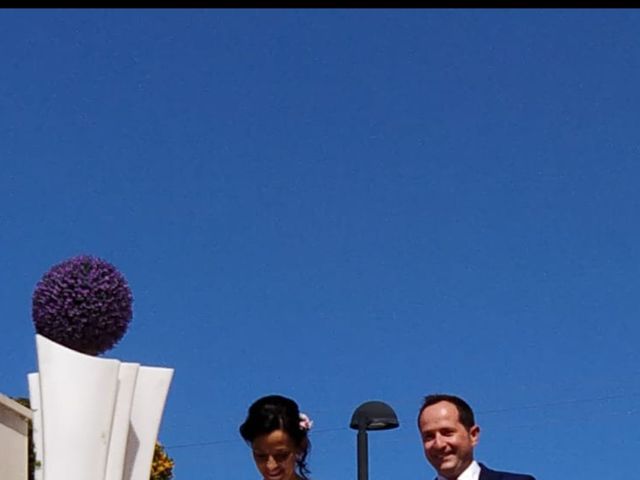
(342,206)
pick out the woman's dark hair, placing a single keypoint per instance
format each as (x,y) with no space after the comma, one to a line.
(275,412)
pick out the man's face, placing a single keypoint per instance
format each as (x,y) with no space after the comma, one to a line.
(448,445)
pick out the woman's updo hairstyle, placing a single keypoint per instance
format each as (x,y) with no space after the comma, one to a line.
(275,412)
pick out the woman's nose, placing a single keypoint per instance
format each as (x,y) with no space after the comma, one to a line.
(271,462)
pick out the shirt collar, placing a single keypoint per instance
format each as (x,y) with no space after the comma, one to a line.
(472,472)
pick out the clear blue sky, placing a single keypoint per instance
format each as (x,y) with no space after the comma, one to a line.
(342,206)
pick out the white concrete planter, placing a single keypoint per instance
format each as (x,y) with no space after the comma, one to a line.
(77,400)
(121,420)
(148,404)
(94,418)
(36,422)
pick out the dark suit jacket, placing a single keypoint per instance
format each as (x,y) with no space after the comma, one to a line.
(488,474)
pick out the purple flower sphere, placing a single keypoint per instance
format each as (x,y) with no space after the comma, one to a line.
(83,303)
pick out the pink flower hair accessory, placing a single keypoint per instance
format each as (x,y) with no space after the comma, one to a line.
(305,422)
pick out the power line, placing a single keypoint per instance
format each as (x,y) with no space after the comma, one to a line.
(632,411)
(223,442)
(559,403)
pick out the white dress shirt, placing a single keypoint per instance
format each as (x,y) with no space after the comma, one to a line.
(472,472)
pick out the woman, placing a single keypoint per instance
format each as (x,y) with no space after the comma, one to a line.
(277,433)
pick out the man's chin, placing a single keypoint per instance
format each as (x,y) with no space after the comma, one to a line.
(448,468)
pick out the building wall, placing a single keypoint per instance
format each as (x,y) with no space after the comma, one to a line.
(13,444)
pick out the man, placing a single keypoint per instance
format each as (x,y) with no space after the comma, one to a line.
(449,434)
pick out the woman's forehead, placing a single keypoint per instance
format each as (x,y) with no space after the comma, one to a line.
(278,439)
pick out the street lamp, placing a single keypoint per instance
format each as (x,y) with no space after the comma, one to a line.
(373,415)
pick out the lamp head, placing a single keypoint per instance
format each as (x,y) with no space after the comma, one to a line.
(374,415)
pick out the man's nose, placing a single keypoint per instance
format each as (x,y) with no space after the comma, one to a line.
(438,441)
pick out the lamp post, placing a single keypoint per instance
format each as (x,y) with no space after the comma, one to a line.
(373,415)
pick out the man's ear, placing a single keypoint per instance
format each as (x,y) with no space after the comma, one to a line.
(474,433)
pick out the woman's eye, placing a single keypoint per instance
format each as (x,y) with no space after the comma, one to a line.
(280,457)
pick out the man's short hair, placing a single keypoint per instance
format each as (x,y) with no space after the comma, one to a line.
(465,414)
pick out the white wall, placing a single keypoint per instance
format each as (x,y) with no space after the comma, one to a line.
(14,447)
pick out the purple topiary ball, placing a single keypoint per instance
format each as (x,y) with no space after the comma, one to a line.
(83,303)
